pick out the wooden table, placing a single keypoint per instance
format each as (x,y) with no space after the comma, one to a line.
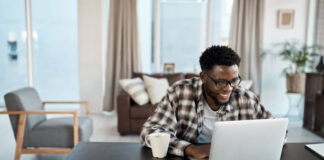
(135,151)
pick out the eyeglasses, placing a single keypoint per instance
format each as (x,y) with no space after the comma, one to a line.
(223,83)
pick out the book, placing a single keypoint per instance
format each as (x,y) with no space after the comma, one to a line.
(317,148)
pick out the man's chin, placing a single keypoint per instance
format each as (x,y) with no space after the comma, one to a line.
(221,102)
(224,103)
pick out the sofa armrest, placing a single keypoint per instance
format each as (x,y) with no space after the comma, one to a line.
(123,112)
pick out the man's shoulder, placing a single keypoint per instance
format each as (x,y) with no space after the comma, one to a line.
(186,88)
(243,98)
(245,94)
(186,83)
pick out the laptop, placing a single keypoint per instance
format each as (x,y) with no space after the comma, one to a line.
(248,139)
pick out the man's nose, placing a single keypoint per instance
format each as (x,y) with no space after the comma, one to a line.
(228,87)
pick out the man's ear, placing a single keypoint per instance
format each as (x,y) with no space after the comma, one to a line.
(203,77)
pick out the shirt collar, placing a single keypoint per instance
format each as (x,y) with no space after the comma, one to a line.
(229,107)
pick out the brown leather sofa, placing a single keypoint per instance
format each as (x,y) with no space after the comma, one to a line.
(131,116)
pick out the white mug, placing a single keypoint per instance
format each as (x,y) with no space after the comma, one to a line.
(159,143)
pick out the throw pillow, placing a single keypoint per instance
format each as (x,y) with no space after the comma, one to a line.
(136,89)
(156,88)
(246,84)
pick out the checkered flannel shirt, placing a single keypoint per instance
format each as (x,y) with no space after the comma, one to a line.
(180,113)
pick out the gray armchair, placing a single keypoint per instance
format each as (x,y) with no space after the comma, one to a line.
(37,135)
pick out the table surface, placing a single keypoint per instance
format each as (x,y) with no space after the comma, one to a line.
(135,151)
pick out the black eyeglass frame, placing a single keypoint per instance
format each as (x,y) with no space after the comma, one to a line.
(216,82)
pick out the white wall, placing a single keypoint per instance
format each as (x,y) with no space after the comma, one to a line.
(91,16)
(273,91)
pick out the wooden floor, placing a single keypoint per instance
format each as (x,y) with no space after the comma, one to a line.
(105,130)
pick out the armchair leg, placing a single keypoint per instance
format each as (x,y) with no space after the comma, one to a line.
(75,129)
(20,135)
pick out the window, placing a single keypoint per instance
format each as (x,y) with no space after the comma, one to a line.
(13,58)
(55,54)
(55,49)
(221,20)
(184,30)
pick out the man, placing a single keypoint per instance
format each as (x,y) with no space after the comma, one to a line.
(191,106)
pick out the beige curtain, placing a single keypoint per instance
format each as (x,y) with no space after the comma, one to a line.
(123,56)
(246,38)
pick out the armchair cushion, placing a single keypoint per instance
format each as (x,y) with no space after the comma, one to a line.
(25,99)
(58,132)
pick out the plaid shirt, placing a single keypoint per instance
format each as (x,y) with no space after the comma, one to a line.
(180,113)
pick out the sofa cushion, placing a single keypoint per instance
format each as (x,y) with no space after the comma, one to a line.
(156,88)
(136,125)
(142,112)
(171,77)
(136,89)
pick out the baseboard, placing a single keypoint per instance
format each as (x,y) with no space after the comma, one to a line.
(110,113)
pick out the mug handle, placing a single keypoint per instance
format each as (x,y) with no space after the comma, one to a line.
(147,141)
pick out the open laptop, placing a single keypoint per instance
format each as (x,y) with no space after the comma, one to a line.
(248,139)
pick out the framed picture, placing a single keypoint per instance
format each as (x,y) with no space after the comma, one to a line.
(286,18)
(168,68)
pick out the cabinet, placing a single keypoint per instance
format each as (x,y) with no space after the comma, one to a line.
(314,103)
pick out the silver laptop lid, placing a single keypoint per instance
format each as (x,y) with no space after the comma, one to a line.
(248,139)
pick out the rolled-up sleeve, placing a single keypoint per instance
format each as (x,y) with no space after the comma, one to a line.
(164,120)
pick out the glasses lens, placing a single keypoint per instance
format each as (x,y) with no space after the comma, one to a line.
(221,84)
(236,82)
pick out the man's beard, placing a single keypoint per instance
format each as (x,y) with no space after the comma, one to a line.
(216,102)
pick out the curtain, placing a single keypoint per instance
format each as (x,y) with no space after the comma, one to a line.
(123,56)
(319,34)
(246,38)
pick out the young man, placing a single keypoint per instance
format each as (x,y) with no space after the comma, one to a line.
(191,106)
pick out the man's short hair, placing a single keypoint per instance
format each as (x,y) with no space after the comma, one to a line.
(218,55)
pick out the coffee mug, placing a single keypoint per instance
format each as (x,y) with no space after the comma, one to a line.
(159,143)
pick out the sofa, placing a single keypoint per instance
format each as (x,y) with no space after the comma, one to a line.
(131,116)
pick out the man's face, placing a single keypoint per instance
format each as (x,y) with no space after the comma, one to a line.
(219,72)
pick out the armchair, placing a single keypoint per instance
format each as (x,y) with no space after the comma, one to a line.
(32,130)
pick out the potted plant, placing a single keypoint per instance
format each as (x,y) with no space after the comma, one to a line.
(301,59)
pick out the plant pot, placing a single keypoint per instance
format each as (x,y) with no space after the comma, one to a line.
(296,83)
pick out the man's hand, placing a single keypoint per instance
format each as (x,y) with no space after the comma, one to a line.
(198,151)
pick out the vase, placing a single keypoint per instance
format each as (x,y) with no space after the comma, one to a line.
(295,83)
